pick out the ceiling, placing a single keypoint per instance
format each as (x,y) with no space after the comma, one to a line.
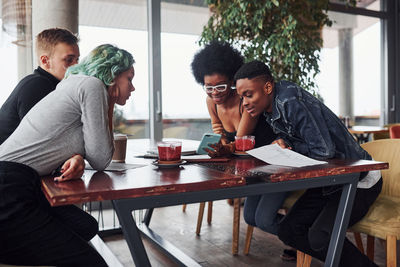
(189,16)
(176,18)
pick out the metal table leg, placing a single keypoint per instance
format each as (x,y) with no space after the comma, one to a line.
(132,234)
(147,216)
(341,223)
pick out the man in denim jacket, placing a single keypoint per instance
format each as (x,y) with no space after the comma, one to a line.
(303,123)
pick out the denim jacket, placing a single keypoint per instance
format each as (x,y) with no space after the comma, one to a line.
(309,127)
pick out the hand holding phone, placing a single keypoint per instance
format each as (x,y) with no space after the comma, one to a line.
(220,150)
(208,138)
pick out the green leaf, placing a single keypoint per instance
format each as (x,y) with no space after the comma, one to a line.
(275,2)
(283,33)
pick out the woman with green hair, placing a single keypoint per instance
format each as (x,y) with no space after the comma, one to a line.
(74,119)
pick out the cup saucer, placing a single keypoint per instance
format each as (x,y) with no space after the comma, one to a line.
(164,164)
(240,153)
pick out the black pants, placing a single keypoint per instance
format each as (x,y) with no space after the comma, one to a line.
(34,233)
(308,225)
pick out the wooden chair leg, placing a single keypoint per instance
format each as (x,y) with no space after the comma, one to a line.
(357,237)
(209,212)
(307,260)
(247,243)
(303,260)
(184,208)
(391,260)
(236,224)
(300,259)
(370,247)
(200,217)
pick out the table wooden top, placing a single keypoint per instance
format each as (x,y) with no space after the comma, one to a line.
(368,129)
(151,180)
(276,173)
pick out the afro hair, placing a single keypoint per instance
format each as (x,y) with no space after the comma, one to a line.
(216,57)
(254,69)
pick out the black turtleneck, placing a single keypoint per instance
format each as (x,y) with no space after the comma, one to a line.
(25,95)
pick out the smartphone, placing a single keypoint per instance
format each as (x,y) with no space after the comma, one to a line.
(208,138)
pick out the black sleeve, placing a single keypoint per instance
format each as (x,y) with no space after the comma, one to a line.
(31,93)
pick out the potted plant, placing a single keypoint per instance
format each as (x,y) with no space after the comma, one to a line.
(285,34)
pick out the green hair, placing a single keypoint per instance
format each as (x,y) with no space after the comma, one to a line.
(104,62)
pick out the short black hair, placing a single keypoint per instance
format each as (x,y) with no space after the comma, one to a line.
(216,57)
(254,69)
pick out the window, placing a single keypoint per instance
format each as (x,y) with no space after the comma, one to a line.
(9,67)
(183,100)
(99,24)
(182,97)
(366,4)
(360,74)
(135,42)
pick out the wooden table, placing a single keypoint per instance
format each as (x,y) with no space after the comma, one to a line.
(362,133)
(150,187)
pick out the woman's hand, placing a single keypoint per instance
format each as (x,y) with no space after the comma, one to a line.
(221,150)
(281,143)
(73,168)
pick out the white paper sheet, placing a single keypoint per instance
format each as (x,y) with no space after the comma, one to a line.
(274,154)
(196,157)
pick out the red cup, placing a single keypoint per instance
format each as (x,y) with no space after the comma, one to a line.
(169,150)
(244,143)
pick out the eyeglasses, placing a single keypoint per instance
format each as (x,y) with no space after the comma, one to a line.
(219,88)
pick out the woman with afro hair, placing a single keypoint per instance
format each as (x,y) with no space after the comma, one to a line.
(214,67)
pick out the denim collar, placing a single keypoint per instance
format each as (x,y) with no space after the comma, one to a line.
(274,115)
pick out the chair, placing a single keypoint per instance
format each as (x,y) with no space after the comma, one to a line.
(383,135)
(383,217)
(235,225)
(378,136)
(236,219)
(289,201)
(394,131)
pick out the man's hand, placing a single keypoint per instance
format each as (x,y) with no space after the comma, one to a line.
(73,168)
(221,150)
(281,143)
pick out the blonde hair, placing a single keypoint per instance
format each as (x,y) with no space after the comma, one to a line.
(48,39)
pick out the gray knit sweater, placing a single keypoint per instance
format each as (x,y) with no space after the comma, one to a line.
(73,119)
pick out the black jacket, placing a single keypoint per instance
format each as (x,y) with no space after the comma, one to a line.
(25,95)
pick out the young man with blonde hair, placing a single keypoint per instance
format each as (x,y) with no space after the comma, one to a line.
(56,50)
